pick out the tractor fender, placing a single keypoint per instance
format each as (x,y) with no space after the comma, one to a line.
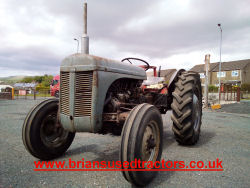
(173,80)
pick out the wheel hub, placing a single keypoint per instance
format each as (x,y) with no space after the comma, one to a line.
(150,143)
(52,134)
(196,112)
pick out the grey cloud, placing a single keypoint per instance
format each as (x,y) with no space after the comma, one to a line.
(192,33)
(29,59)
(163,37)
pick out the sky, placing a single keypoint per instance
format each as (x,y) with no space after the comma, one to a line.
(36,35)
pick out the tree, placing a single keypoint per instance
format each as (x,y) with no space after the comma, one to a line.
(27,79)
(46,81)
(43,80)
(38,79)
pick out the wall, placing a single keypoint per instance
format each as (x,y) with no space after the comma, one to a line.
(246,74)
(228,77)
(203,79)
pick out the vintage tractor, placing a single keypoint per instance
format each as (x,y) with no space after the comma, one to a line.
(99,95)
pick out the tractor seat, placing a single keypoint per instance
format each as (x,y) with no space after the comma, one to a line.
(153,81)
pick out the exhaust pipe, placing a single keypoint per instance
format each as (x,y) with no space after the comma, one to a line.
(159,72)
(85,38)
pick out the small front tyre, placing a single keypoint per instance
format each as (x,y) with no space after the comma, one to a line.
(142,140)
(42,135)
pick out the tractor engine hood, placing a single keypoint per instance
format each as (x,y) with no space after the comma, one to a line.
(83,62)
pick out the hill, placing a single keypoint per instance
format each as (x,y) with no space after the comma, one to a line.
(11,79)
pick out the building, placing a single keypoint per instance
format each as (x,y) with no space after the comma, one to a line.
(4,87)
(6,92)
(24,88)
(233,72)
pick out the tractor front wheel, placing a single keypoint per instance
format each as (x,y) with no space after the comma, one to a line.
(142,140)
(43,136)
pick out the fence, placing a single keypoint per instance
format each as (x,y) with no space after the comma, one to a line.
(32,94)
(6,95)
(230,93)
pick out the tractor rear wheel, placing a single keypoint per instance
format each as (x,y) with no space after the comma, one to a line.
(42,135)
(141,140)
(187,108)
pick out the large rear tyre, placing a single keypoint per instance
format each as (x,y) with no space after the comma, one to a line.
(42,135)
(141,140)
(187,108)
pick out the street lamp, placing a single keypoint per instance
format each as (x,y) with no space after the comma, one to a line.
(77,44)
(219,25)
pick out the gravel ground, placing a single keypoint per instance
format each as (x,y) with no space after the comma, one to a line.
(224,135)
(242,107)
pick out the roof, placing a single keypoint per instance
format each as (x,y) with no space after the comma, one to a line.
(25,85)
(232,65)
(225,66)
(5,86)
(200,68)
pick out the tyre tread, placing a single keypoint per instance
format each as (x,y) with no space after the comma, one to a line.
(182,107)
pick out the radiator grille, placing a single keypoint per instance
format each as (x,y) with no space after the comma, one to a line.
(64,93)
(83,93)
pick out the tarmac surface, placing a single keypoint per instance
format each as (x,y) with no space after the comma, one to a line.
(225,135)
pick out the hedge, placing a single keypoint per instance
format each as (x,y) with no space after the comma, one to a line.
(212,88)
(245,87)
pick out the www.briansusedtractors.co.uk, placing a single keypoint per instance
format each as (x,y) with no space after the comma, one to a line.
(136,165)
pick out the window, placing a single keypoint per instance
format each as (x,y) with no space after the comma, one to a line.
(54,82)
(221,74)
(202,75)
(235,73)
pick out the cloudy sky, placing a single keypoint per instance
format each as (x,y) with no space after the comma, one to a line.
(35,35)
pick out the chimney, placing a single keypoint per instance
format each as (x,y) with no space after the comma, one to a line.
(207,67)
(207,78)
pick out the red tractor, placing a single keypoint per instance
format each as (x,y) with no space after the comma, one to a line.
(55,86)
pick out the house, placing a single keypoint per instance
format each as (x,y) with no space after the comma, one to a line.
(6,92)
(24,88)
(233,72)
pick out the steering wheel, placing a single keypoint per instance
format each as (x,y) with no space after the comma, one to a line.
(146,67)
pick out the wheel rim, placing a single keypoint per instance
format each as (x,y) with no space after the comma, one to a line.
(196,112)
(52,134)
(151,142)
